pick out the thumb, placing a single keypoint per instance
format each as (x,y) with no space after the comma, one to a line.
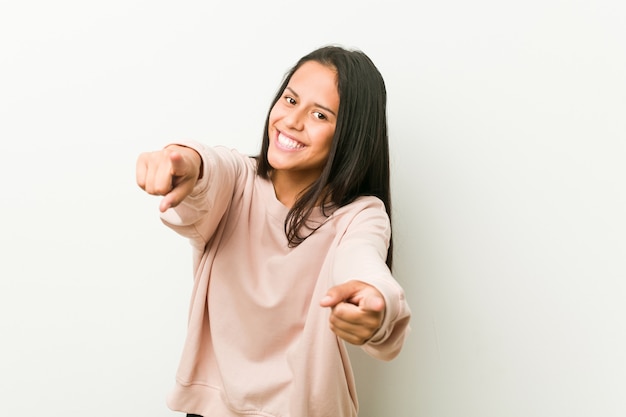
(183,178)
(373,302)
(365,296)
(179,166)
(335,295)
(347,291)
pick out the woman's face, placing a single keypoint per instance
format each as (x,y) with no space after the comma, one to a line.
(302,122)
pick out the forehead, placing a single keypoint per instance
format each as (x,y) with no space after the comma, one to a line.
(317,80)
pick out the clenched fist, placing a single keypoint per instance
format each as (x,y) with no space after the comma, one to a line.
(357,311)
(171,172)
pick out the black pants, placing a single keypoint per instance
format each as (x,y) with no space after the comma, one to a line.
(193,415)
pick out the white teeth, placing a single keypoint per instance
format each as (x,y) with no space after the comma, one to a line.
(288,143)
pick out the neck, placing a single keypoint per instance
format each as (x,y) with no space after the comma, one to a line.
(289,187)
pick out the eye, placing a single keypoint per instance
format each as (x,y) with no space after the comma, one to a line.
(290,100)
(320,116)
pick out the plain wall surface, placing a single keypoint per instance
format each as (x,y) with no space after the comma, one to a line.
(508,132)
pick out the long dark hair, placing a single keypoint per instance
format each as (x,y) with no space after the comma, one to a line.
(358,162)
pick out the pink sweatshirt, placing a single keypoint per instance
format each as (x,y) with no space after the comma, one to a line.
(258,342)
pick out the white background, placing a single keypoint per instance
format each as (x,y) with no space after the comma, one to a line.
(508,135)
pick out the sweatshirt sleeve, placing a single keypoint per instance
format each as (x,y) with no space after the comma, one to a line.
(361,256)
(199,214)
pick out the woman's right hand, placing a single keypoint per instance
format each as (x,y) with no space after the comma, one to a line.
(171,172)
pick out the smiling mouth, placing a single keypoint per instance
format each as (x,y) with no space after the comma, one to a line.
(288,143)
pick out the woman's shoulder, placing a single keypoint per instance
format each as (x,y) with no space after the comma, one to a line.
(362,203)
(363,210)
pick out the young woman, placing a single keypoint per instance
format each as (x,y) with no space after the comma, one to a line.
(292,248)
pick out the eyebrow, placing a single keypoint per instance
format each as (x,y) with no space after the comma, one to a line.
(316,104)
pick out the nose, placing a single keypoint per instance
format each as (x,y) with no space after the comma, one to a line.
(295,118)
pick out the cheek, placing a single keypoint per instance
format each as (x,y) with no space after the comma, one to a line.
(272,117)
(271,130)
(328,139)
